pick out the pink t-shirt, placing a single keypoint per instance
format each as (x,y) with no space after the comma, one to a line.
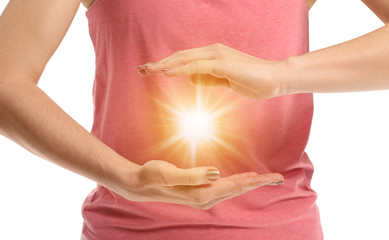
(136,117)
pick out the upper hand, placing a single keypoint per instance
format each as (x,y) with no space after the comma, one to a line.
(219,65)
(160,181)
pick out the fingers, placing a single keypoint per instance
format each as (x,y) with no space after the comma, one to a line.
(186,62)
(192,176)
(206,196)
(204,65)
(197,187)
(276,180)
(247,184)
(235,185)
(241,184)
(199,66)
(186,68)
(157,172)
(180,58)
(186,56)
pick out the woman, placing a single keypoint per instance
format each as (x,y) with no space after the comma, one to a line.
(30,32)
(140,118)
(266,136)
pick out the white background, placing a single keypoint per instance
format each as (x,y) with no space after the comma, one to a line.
(348,143)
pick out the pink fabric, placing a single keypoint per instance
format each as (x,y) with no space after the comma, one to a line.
(131,116)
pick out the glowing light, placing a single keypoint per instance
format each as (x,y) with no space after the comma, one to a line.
(196,126)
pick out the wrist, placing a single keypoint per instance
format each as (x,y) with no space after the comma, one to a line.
(276,75)
(129,177)
(123,177)
(291,75)
(280,71)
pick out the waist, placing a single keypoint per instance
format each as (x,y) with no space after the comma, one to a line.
(141,122)
(311,231)
(282,212)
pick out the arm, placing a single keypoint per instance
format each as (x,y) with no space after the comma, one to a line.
(380,8)
(310,3)
(30,32)
(361,64)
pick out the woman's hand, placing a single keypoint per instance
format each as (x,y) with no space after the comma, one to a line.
(160,181)
(219,65)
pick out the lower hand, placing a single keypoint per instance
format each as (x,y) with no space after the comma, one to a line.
(160,181)
(219,65)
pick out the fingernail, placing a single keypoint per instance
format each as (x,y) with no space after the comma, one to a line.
(276,183)
(149,64)
(141,66)
(142,71)
(213,174)
(166,69)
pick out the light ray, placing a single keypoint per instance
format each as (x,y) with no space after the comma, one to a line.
(194,126)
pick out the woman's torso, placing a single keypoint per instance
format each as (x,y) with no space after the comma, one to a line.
(88,3)
(137,118)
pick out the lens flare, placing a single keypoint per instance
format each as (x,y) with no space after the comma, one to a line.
(196,126)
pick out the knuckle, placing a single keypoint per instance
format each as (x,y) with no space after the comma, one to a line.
(152,162)
(217,54)
(192,177)
(220,57)
(217,45)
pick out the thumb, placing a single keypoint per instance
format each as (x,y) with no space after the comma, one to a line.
(193,176)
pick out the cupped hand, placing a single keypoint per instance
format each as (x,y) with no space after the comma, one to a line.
(219,65)
(200,187)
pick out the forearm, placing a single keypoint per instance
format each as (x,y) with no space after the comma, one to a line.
(361,64)
(30,118)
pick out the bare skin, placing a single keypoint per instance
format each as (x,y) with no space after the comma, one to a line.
(30,32)
(310,3)
(87,3)
(360,64)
